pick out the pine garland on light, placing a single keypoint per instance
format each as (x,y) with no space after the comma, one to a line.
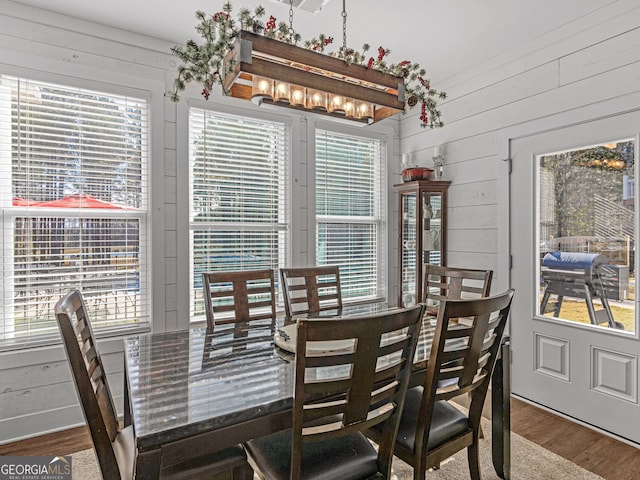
(204,62)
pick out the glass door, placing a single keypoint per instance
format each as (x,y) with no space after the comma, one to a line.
(431,232)
(408,246)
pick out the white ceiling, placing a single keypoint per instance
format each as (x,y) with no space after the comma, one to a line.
(444,36)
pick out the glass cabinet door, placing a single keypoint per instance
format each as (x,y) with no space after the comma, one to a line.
(431,228)
(408,250)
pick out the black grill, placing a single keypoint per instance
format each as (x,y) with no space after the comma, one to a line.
(576,275)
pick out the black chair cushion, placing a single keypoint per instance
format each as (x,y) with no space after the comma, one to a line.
(446,423)
(346,458)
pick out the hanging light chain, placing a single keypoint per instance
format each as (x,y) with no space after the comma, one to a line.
(344,25)
(291,18)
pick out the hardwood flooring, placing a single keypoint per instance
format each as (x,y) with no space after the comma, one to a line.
(593,451)
(605,456)
(64,442)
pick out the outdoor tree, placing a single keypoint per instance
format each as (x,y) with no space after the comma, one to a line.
(571,181)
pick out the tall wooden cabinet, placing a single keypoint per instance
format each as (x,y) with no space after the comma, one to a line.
(422,234)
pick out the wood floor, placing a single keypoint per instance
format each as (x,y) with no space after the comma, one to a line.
(609,458)
(593,451)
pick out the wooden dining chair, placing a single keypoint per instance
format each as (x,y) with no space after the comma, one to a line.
(115,446)
(311,289)
(239,296)
(450,283)
(432,429)
(340,393)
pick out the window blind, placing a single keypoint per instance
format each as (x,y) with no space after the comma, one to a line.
(239,178)
(350,211)
(74,206)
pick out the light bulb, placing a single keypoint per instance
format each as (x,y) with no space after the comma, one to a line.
(336,104)
(317,100)
(364,110)
(261,88)
(296,96)
(282,92)
(349,108)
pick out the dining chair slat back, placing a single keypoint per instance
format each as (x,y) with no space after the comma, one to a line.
(114,446)
(92,386)
(239,296)
(311,289)
(358,385)
(462,360)
(451,283)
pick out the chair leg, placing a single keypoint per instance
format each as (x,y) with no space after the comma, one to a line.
(474,459)
(481,433)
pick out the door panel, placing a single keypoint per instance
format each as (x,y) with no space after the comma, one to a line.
(574,325)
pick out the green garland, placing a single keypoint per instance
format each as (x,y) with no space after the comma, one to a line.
(204,63)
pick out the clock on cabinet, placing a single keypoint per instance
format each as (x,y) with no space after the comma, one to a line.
(422,234)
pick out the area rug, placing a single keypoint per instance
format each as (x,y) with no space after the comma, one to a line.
(528,462)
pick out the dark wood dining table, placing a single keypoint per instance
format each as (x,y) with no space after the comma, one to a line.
(193,392)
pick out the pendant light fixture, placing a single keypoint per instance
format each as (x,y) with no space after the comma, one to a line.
(268,71)
(262,62)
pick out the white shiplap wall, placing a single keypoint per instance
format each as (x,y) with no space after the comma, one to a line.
(36,391)
(595,60)
(586,69)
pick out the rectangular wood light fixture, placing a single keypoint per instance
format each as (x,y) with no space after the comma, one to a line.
(265,70)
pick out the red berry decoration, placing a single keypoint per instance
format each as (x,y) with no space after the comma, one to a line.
(423,115)
(271,24)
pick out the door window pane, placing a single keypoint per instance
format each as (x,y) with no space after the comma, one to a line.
(587,224)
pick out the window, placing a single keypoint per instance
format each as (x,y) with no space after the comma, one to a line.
(239,218)
(73,203)
(587,225)
(350,211)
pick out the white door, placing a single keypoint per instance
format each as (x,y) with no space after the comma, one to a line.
(574,322)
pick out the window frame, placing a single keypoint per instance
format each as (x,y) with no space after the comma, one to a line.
(384,251)
(185,191)
(109,84)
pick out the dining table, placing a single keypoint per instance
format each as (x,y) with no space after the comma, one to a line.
(193,392)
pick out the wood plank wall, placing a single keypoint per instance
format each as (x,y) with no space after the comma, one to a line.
(36,392)
(591,62)
(594,61)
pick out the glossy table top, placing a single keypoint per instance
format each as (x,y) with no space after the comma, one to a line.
(189,382)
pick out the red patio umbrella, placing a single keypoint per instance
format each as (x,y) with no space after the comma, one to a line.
(80,200)
(24,202)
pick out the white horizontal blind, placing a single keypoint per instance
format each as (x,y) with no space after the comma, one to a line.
(350,211)
(239,179)
(74,207)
